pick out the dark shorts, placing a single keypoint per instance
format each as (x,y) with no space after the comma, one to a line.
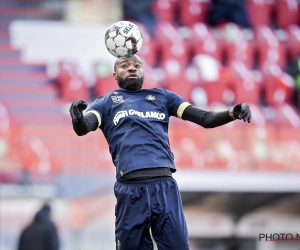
(151,203)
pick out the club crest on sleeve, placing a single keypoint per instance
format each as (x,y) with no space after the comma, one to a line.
(150,97)
(117,98)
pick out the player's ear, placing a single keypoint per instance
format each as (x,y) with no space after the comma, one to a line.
(115,75)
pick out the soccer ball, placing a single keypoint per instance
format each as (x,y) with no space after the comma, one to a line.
(123,39)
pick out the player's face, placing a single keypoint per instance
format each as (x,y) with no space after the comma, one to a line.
(129,73)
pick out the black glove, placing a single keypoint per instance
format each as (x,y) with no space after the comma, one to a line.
(76,109)
(242,111)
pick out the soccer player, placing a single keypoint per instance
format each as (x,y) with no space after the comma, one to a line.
(134,122)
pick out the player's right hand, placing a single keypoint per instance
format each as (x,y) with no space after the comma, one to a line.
(76,109)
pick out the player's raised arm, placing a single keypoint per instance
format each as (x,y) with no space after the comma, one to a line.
(211,119)
(82,124)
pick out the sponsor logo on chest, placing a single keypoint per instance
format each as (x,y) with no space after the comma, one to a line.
(131,112)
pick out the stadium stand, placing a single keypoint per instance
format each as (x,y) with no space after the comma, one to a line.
(227,64)
(25,89)
(28,94)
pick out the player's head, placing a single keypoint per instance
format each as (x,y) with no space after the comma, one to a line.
(129,73)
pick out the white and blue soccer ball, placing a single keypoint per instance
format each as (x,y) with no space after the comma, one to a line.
(123,39)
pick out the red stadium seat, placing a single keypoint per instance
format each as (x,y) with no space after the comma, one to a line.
(151,78)
(260,12)
(278,86)
(105,82)
(204,42)
(180,79)
(243,51)
(270,49)
(216,80)
(246,85)
(71,83)
(105,85)
(173,67)
(165,10)
(218,92)
(34,154)
(181,86)
(287,116)
(287,13)
(148,51)
(293,43)
(193,11)
(172,45)
(238,44)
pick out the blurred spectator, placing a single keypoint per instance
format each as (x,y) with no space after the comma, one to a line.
(229,11)
(293,69)
(140,10)
(41,233)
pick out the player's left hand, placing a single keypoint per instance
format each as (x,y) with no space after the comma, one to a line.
(242,111)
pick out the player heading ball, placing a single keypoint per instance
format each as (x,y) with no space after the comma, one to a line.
(147,194)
